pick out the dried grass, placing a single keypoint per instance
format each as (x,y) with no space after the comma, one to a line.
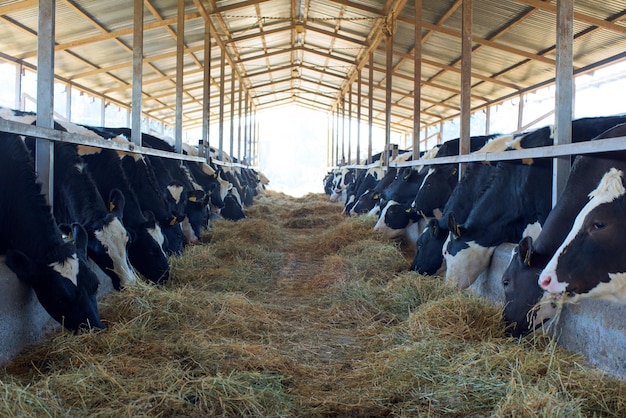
(272,319)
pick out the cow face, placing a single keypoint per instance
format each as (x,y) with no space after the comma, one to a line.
(365,202)
(428,256)
(589,262)
(465,260)
(436,189)
(394,219)
(232,208)
(109,250)
(526,304)
(197,212)
(146,253)
(64,284)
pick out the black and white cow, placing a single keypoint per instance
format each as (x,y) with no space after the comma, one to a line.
(197,200)
(145,249)
(34,247)
(520,279)
(518,198)
(428,255)
(590,263)
(369,201)
(77,200)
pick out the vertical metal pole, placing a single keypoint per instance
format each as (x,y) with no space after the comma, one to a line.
(564,92)
(488,120)
(246,127)
(44,149)
(256,139)
(206,86)
(520,112)
(337,136)
(350,125)
(370,109)
(466,81)
(417,80)
(220,151)
(239,155)
(68,102)
(232,113)
(358,119)
(18,87)
(137,71)
(343,131)
(388,89)
(180,50)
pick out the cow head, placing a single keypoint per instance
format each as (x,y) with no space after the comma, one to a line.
(465,260)
(108,246)
(589,262)
(63,282)
(146,253)
(527,306)
(428,256)
(394,219)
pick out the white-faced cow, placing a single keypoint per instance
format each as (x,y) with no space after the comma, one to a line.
(517,199)
(34,247)
(590,263)
(520,279)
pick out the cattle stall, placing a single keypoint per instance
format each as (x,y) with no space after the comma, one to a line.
(411,66)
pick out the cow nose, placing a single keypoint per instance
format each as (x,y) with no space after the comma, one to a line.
(545,280)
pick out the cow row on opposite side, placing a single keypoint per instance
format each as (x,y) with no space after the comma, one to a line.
(454,225)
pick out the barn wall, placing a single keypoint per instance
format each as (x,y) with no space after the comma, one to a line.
(23,321)
(596,329)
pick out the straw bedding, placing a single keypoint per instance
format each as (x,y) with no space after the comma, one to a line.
(298,311)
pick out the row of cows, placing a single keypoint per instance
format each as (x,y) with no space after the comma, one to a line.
(125,211)
(568,252)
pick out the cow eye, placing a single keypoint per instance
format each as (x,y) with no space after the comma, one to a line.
(505,282)
(597,225)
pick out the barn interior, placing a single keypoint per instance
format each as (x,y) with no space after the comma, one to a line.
(418,71)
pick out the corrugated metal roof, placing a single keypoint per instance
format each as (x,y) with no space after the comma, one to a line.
(514,51)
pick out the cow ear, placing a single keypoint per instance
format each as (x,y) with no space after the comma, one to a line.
(66,232)
(453,226)
(21,265)
(150,216)
(80,239)
(525,250)
(433,225)
(116,202)
(196,196)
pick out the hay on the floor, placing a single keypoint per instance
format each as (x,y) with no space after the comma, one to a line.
(269,318)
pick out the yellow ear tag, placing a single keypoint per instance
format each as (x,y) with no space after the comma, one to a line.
(111,206)
(455,171)
(408,210)
(527,258)
(458,231)
(214,174)
(192,199)
(173,221)
(376,196)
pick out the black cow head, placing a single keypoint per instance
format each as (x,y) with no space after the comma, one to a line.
(525,307)
(428,257)
(63,282)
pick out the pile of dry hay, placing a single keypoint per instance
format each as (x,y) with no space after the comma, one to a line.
(298,311)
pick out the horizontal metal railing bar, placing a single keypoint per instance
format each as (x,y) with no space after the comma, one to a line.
(551,151)
(60,136)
